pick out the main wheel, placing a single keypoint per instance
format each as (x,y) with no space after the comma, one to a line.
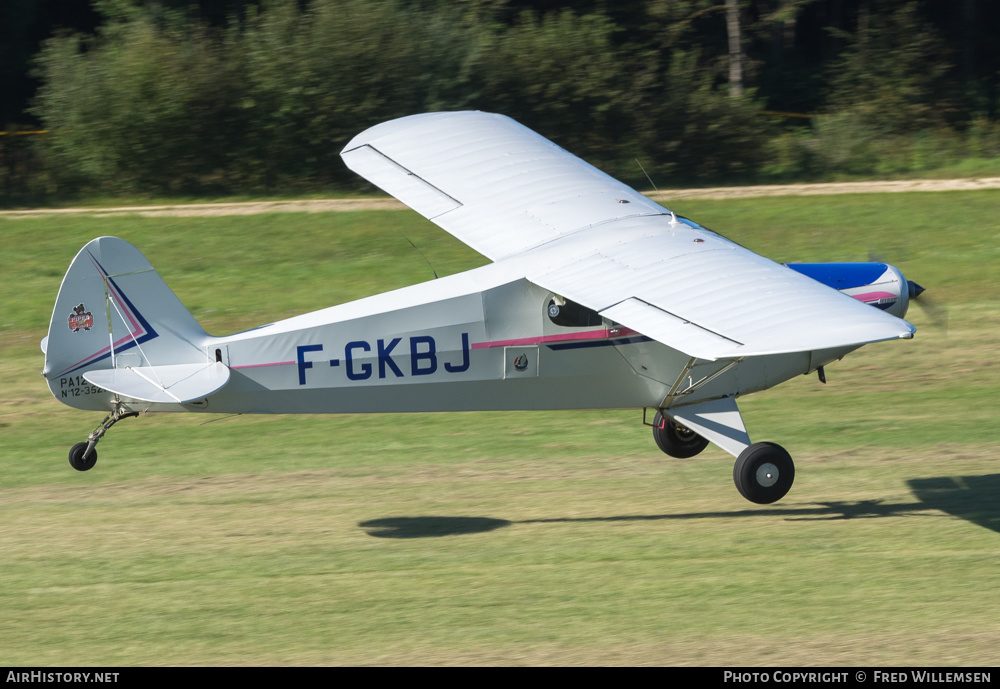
(675,439)
(763,473)
(76,459)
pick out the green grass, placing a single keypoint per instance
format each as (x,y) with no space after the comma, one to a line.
(508,538)
(967,167)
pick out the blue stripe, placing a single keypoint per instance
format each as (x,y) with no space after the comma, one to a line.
(133,342)
(840,275)
(599,343)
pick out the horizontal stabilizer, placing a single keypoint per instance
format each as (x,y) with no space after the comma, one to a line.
(719,421)
(172,384)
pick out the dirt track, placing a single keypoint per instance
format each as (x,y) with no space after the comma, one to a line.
(665,196)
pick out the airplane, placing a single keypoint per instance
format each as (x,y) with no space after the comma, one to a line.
(596,298)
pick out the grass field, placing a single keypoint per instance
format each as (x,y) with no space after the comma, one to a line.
(508,538)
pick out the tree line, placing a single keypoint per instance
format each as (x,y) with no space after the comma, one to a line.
(235,96)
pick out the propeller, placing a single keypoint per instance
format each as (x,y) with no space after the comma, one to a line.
(935,311)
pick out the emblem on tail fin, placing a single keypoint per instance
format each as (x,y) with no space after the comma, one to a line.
(80,318)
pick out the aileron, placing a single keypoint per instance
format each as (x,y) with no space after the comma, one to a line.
(395,179)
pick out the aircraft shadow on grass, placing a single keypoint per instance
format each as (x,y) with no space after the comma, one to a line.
(973,498)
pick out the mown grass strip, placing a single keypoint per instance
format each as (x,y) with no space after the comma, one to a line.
(514,538)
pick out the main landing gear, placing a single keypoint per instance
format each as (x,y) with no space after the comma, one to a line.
(83,456)
(763,472)
(676,440)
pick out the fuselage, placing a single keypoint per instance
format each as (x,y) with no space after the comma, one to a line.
(480,340)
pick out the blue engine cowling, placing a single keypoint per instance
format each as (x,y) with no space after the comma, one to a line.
(877,284)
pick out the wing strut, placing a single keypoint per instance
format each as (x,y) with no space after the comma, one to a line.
(692,385)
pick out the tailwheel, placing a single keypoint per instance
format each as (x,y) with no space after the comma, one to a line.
(676,440)
(79,458)
(83,456)
(763,473)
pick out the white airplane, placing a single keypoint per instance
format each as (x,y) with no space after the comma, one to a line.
(597,297)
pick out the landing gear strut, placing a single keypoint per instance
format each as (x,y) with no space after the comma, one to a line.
(763,473)
(83,456)
(675,439)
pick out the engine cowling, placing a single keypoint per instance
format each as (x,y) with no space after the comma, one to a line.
(876,284)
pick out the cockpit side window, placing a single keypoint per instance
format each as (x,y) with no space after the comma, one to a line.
(569,314)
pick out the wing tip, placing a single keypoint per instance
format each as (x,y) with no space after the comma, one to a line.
(391,126)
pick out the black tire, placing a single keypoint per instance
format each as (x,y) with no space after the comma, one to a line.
(676,440)
(76,459)
(764,473)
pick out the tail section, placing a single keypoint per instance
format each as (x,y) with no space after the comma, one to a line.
(117,329)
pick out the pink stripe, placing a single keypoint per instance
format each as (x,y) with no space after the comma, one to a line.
(873,296)
(546,339)
(87,358)
(98,353)
(276,363)
(137,329)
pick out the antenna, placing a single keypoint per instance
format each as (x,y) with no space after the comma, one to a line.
(421,256)
(647,176)
(673,216)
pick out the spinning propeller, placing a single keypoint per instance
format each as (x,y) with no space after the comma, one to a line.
(935,311)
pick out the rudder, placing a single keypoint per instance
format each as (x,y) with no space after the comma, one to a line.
(113,310)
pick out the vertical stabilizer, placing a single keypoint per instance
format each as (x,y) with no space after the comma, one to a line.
(114,311)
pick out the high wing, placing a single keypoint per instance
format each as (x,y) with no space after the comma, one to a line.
(522,201)
(493,183)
